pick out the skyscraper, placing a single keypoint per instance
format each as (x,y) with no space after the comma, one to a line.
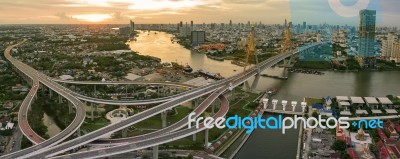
(285,23)
(132,27)
(366,33)
(230,22)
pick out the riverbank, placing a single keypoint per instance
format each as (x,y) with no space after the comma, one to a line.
(363,83)
(328,65)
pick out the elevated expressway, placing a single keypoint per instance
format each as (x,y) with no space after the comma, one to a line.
(187,96)
(159,137)
(37,77)
(123,102)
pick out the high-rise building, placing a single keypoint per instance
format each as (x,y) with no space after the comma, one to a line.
(198,37)
(285,23)
(304,25)
(391,48)
(185,31)
(366,33)
(230,22)
(132,27)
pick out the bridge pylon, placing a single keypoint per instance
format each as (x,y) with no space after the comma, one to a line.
(251,52)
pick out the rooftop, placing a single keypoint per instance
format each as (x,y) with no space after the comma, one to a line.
(342,98)
(357,100)
(391,111)
(345,113)
(384,100)
(344,103)
(361,112)
(371,100)
(375,111)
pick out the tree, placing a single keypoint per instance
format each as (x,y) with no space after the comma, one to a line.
(315,114)
(339,146)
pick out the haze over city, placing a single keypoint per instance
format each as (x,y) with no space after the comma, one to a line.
(162,11)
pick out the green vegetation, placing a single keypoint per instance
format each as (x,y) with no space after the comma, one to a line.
(7,132)
(352,64)
(58,112)
(25,143)
(8,79)
(313,64)
(35,117)
(89,125)
(339,146)
(112,46)
(386,65)
(155,121)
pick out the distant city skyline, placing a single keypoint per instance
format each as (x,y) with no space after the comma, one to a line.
(173,11)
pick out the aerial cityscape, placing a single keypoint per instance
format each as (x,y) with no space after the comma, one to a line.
(200,79)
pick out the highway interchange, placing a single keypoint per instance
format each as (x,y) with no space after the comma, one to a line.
(48,148)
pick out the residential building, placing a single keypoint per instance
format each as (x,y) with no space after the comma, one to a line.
(391,48)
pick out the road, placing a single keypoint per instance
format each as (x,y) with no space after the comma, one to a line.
(189,95)
(162,138)
(22,118)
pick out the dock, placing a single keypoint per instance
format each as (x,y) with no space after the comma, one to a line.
(276,77)
(282,112)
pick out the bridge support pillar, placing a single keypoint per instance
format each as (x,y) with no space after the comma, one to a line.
(92,111)
(164,119)
(70,107)
(246,86)
(206,138)
(213,107)
(155,152)
(255,82)
(195,103)
(124,132)
(59,99)
(51,93)
(194,137)
(78,132)
(95,90)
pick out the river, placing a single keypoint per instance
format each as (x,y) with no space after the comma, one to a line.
(268,143)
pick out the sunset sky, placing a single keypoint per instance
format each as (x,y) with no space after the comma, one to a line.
(173,11)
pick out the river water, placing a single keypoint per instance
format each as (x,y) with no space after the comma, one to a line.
(271,143)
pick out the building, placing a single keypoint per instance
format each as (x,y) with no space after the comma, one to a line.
(366,34)
(198,37)
(340,38)
(319,38)
(185,31)
(391,48)
(124,31)
(132,27)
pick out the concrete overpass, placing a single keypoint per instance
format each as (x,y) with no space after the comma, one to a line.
(189,95)
(27,131)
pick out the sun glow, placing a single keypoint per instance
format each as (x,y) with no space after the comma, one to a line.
(92,17)
(163,4)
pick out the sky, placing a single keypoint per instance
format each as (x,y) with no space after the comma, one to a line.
(200,11)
